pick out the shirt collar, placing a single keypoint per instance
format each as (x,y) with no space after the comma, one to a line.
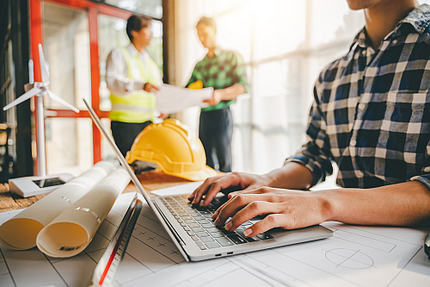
(419,18)
(217,52)
(360,39)
(133,51)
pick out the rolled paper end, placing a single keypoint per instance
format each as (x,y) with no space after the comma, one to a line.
(20,233)
(62,239)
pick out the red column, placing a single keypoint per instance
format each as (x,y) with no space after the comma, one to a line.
(36,37)
(95,80)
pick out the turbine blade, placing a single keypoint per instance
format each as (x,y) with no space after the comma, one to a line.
(61,101)
(43,68)
(26,96)
(30,72)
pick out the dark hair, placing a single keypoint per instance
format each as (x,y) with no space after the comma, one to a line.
(135,23)
(208,21)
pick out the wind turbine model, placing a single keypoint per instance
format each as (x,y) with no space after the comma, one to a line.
(34,185)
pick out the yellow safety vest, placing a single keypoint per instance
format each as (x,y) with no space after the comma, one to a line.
(138,106)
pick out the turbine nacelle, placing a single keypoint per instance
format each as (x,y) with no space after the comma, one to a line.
(41,86)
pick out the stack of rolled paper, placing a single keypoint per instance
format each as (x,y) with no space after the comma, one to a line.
(64,222)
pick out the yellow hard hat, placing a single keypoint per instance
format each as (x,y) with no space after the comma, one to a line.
(174,148)
(196,85)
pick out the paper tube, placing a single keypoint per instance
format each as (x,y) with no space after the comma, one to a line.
(20,232)
(73,230)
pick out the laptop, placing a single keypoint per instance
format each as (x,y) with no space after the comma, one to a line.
(192,230)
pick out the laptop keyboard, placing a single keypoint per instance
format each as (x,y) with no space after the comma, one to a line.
(197,222)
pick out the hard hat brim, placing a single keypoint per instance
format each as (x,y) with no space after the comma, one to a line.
(204,173)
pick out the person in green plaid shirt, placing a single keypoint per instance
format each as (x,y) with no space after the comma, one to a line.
(225,71)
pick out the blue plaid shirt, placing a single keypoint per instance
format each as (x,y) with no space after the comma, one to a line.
(371,113)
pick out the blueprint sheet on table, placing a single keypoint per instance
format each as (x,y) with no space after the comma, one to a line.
(354,256)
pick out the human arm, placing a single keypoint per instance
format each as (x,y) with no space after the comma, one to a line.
(148,87)
(163,116)
(226,94)
(292,175)
(239,81)
(403,204)
(117,78)
(308,167)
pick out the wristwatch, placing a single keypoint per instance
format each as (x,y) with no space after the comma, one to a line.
(424,179)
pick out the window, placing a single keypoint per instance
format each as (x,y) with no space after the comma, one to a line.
(67,51)
(77,36)
(151,8)
(285,43)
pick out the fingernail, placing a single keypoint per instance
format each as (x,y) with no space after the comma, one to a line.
(216,222)
(214,215)
(247,232)
(228,226)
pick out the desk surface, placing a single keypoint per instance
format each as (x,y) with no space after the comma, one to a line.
(354,256)
(150,181)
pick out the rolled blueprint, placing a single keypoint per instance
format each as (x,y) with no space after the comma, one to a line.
(20,232)
(73,230)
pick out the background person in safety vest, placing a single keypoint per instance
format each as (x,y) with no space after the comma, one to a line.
(131,77)
(225,71)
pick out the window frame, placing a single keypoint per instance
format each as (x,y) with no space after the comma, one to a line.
(93,9)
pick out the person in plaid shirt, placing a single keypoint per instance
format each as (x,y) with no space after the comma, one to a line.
(225,71)
(371,116)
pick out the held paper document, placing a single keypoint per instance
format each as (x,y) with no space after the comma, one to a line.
(354,256)
(171,99)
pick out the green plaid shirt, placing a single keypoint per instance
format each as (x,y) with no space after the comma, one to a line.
(223,70)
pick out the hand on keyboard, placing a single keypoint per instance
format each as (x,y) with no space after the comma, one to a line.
(230,183)
(196,221)
(288,209)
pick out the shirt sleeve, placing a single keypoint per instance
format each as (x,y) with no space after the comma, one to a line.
(239,71)
(117,79)
(315,154)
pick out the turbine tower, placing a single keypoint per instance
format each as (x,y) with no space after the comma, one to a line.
(40,90)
